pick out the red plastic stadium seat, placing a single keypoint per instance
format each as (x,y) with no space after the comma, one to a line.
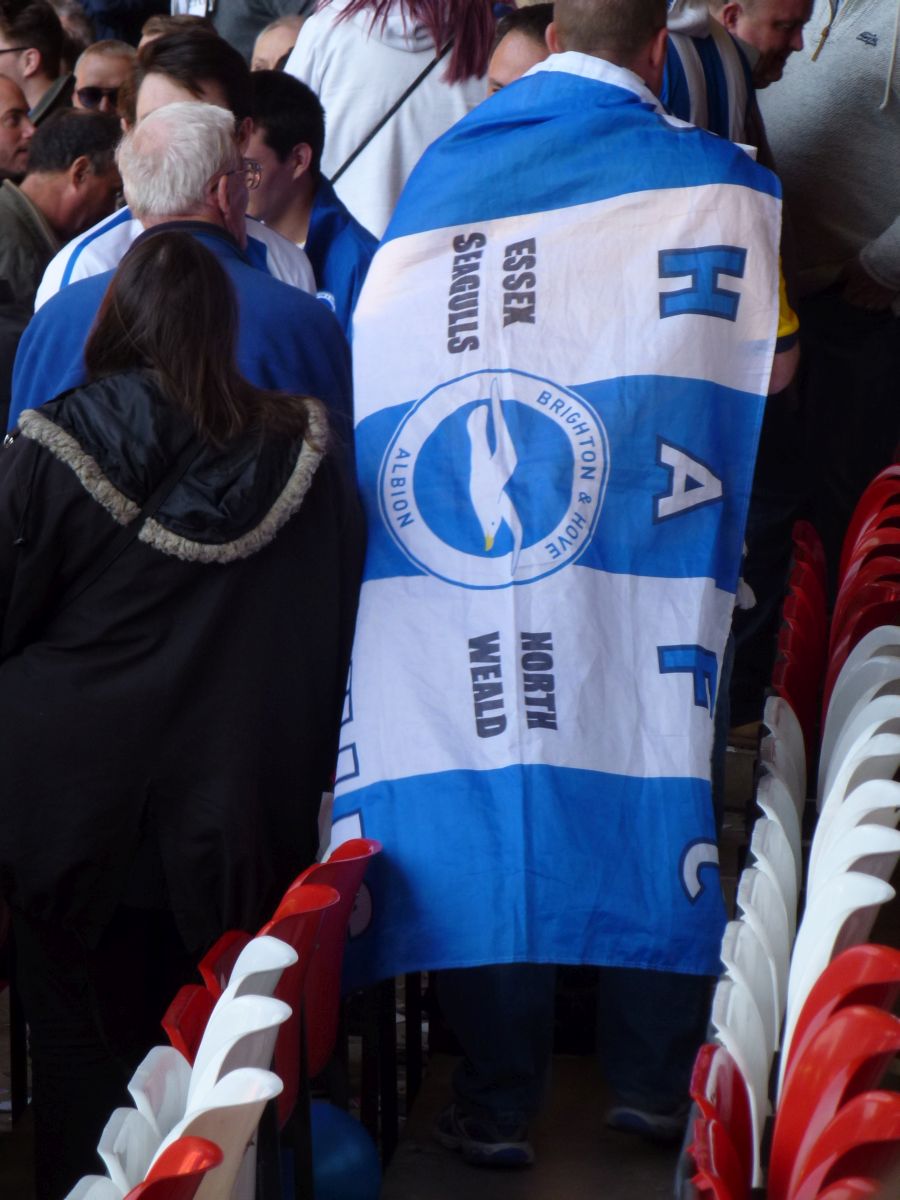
(808,548)
(720,1093)
(218,962)
(717,1159)
(882,493)
(862,1140)
(882,569)
(298,920)
(186,1017)
(865,974)
(805,577)
(848,1055)
(883,609)
(851,1189)
(179,1171)
(344,872)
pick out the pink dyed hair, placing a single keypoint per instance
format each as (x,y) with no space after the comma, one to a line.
(470,23)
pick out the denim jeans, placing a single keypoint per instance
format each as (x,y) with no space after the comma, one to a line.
(650,1026)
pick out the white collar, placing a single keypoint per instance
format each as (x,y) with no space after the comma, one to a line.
(573,62)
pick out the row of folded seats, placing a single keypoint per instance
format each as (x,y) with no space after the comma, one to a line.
(243,1044)
(789,1094)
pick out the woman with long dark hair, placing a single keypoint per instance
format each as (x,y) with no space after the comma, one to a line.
(179,564)
(392,75)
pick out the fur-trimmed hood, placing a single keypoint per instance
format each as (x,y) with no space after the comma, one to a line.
(120,436)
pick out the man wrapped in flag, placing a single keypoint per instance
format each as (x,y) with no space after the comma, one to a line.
(562,353)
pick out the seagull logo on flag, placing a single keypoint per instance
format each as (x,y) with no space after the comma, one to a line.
(490,472)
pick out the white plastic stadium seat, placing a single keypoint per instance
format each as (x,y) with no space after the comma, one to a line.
(841,916)
(746,961)
(738,1027)
(228,1117)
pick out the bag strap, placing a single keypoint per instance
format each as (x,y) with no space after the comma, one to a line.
(128,533)
(390,112)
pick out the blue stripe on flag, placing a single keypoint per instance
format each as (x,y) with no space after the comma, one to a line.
(634,535)
(516,176)
(547,830)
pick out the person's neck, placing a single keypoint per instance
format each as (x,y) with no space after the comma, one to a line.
(293,221)
(206,216)
(44,192)
(34,88)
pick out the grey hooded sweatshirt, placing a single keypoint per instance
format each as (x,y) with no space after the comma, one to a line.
(834,127)
(358,70)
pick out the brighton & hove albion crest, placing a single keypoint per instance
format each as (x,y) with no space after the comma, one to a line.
(495,478)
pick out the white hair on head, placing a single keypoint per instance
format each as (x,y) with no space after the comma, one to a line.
(168,159)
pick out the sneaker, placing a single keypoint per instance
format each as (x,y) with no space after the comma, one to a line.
(482,1143)
(654,1127)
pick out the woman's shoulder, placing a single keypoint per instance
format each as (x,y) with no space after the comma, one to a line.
(122,418)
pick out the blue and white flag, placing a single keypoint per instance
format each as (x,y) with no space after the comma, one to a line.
(561,355)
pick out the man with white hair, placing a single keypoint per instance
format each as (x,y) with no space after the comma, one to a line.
(187,66)
(182,169)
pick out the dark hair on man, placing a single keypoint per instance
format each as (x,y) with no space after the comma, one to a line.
(531,22)
(195,57)
(70,133)
(162,24)
(170,308)
(612,29)
(288,112)
(33,24)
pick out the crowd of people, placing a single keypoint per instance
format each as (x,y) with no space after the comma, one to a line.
(554,238)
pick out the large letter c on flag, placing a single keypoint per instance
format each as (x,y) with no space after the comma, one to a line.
(695,856)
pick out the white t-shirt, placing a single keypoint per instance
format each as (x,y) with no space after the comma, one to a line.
(358,73)
(102,248)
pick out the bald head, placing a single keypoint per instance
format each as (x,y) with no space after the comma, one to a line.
(15,130)
(773,28)
(275,43)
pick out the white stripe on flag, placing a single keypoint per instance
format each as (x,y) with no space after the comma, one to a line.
(597,313)
(614,710)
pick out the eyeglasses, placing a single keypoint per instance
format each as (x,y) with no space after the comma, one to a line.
(14,49)
(252,172)
(93,97)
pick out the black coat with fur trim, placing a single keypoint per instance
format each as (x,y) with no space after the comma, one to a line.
(165,736)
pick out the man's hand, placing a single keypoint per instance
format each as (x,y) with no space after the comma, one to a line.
(861,290)
(784,368)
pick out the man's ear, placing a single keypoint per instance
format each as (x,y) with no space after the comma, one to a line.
(218,196)
(551,37)
(302,156)
(656,53)
(731,14)
(31,62)
(79,169)
(242,133)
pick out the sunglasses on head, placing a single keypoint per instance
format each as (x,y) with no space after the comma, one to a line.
(92,97)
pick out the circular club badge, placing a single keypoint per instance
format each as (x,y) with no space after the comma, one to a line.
(495,478)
